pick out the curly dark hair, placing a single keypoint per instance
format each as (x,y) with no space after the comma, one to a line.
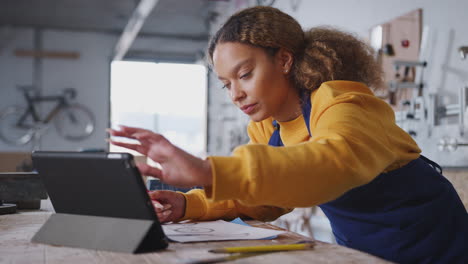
(320,54)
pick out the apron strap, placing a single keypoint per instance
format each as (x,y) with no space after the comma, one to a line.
(275,139)
(306,109)
(432,163)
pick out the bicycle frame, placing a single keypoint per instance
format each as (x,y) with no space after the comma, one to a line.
(31,109)
(72,121)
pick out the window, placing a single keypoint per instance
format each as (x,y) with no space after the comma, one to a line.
(166,98)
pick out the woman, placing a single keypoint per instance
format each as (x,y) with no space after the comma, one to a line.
(318,136)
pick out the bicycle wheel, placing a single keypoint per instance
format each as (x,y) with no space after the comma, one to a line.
(10,132)
(75,122)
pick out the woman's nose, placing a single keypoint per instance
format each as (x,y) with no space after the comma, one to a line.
(236,93)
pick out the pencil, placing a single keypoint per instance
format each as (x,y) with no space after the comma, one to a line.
(231,257)
(264,248)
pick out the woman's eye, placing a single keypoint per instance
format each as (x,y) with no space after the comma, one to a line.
(226,86)
(245,75)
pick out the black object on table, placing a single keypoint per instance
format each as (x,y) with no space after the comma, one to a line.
(24,189)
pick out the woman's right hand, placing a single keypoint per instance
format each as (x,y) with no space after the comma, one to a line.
(169,205)
(178,167)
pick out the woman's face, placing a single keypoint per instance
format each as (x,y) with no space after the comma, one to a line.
(257,83)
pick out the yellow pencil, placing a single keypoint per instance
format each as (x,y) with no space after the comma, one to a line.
(264,248)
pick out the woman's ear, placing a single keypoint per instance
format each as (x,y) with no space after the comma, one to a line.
(285,59)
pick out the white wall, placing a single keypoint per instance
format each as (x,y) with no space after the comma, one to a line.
(447,23)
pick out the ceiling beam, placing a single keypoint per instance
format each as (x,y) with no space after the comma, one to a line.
(132,28)
(199,37)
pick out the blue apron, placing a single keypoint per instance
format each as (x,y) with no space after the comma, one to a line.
(409,215)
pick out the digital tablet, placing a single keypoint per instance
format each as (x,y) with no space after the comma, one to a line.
(97,184)
(100,201)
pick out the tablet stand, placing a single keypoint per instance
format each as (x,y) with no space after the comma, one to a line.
(102,233)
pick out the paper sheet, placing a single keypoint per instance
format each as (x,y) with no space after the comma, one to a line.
(215,231)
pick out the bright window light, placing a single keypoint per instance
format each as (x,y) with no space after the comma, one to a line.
(376,37)
(166,98)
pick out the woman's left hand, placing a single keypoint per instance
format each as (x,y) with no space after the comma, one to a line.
(169,205)
(179,168)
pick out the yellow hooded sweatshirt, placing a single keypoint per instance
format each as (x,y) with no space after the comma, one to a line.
(354,139)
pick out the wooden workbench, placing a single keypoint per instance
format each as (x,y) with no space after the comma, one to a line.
(16,231)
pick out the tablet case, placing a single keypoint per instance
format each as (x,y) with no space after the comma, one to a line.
(100,202)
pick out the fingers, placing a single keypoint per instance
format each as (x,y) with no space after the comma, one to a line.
(148,136)
(165,216)
(157,205)
(119,133)
(127,132)
(163,211)
(161,195)
(137,147)
(131,130)
(160,207)
(148,170)
(173,204)
(145,137)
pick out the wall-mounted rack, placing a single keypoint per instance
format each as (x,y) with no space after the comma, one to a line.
(431,112)
(413,109)
(400,82)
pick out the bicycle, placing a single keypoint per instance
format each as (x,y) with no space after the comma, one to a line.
(19,125)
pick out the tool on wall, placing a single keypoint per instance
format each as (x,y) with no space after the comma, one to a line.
(449,144)
(463,51)
(50,54)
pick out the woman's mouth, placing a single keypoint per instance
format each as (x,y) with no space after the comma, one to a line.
(248,109)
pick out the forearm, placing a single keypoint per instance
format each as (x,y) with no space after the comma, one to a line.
(198,207)
(286,178)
